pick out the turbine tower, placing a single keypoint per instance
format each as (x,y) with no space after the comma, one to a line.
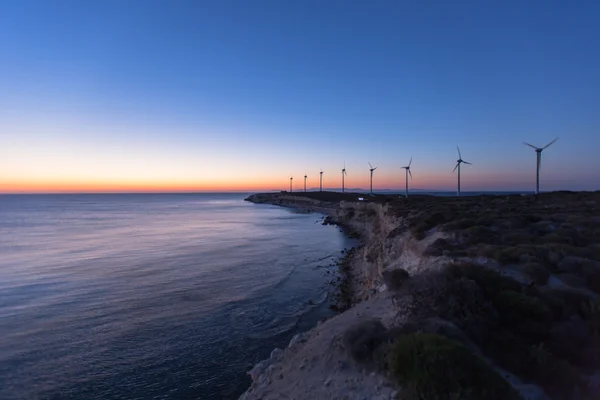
(321,181)
(305,182)
(291,179)
(343,174)
(407,168)
(458,162)
(371,170)
(538,151)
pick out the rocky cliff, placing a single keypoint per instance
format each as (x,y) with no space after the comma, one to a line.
(421,268)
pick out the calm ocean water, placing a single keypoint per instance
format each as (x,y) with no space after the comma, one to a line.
(152,296)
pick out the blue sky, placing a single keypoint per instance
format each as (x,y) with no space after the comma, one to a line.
(237,94)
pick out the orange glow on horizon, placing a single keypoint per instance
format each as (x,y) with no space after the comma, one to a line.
(428,182)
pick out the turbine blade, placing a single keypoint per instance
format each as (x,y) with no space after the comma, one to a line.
(548,145)
(459,156)
(466,162)
(530,145)
(457,164)
(375,168)
(370,165)
(410,173)
(410,162)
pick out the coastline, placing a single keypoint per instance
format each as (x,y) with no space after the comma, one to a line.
(420,236)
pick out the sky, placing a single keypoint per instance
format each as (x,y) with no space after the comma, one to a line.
(126,96)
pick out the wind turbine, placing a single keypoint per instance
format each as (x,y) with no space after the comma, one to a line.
(458,162)
(321,181)
(371,170)
(305,182)
(343,174)
(407,168)
(538,151)
(291,179)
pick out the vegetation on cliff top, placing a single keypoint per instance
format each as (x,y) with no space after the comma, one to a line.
(432,367)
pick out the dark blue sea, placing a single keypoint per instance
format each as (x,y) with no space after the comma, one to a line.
(153,296)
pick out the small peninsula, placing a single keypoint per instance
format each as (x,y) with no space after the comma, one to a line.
(480,297)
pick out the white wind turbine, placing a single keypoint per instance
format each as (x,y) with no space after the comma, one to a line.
(321,181)
(407,168)
(371,169)
(343,174)
(538,151)
(305,182)
(458,162)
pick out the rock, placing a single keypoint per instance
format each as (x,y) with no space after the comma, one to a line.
(258,370)
(327,382)
(298,338)
(276,354)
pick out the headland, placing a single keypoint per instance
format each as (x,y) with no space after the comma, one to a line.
(493,297)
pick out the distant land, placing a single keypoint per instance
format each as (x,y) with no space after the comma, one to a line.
(419,191)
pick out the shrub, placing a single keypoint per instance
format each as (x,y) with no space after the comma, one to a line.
(536,272)
(486,219)
(514,238)
(418,231)
(517,305)
(565,302)
(459,224)
(478,234)
(434,325)
(361,339)
(457,299)
(489,280)
(434,219)
(438,247)
(395,278)
(556,375)
(526,316)
(571,339)
(572,280)
(431,367)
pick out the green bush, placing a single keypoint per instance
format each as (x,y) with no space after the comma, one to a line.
(526,316)
(565,302)
(536,272)
(478,234)
(418,231)
(556,375)
(456,299)
(516,237)
(395,278)
(438,247)
(459,224)
(361,339)
(489,280)
(431,367)
(517,307)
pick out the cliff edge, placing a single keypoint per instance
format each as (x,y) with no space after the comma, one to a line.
(503,289)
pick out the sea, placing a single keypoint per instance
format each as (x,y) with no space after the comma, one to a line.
(153,296)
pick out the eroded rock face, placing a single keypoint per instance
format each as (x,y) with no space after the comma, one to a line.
(507,235)
(386,245)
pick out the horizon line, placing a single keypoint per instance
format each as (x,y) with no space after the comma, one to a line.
(348,191)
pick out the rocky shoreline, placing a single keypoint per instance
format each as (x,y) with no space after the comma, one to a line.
(542,250)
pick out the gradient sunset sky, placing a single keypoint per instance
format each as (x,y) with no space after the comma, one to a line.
(239,95)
